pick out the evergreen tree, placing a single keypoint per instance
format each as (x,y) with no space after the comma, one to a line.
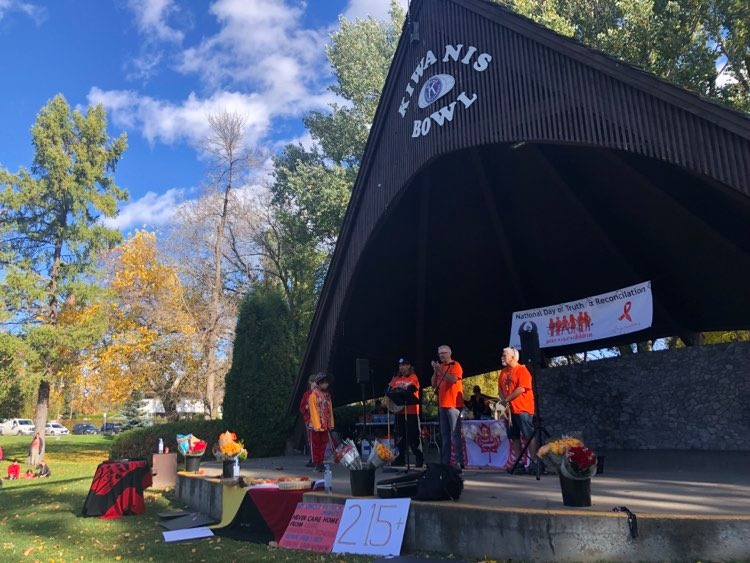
(52,235)
(132,411)
(260,380)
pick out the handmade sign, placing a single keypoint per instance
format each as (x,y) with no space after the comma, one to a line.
(313,527)
(372,527)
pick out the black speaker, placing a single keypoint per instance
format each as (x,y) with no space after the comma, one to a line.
(529,343)
(363,370)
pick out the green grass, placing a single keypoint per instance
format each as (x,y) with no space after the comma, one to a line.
(40,520)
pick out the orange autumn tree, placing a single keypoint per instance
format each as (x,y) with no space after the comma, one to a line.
(151,345)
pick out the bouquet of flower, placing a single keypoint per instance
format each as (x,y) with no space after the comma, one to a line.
(347,455)
(380,455)
(229,447)
(189,445)
(579,463)
(570,457)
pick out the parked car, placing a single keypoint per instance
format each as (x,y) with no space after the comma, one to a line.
(85,428)
(17,426)
(55,429)
(110,428)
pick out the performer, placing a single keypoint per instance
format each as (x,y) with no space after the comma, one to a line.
(407,379)
(514,386)
(446,378)
(321,419)
(304,410)
(478,404)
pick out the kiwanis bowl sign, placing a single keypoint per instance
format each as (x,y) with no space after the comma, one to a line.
(440,87)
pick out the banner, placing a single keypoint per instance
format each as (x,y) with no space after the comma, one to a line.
(485,443)
(593,318)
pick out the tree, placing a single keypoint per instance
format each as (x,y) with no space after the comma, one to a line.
(262,373)
(230,160)
(150,344)
(683,41)
(54,234)
(18,379)
(132,411)
(311,188)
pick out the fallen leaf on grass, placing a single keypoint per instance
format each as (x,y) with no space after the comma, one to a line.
(28,550)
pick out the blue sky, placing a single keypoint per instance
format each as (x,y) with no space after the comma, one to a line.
(159,67)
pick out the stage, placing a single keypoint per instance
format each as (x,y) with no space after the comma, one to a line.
(689,505)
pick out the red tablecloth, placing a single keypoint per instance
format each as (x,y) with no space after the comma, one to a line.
(117,489)
(276,507)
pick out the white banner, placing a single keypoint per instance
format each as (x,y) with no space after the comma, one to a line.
(602,316)
(485,443)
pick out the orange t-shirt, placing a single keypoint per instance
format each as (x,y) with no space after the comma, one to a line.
(450,395)
(404,381)
(509,380)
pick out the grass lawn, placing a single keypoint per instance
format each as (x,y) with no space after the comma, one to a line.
(40,519)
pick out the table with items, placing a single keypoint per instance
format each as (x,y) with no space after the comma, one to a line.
(117,488)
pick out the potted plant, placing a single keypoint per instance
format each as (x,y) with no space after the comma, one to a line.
(575,465)
(228,449)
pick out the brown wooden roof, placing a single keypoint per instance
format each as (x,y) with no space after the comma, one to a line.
(570,174)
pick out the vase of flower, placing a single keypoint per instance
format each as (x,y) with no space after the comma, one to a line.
(575,492)
(227,468)
(192,463)
(576,465)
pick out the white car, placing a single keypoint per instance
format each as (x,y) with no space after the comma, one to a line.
(17,427)
(55,429)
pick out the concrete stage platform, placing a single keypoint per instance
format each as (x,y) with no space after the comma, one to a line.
(690,505)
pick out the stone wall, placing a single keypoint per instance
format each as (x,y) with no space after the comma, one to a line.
(687,398)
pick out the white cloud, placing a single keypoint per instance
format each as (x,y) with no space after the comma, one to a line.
(260,44)
(377,9)
(36,13)
(151,19)
(151,210)
(261,63)
(186,121)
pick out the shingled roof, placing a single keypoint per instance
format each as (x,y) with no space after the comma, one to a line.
(538,171)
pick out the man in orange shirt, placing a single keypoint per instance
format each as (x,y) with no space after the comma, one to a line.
(407,380)
(514,387)
(446,378)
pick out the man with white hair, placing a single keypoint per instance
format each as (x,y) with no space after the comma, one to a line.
(514,388)
(447,377)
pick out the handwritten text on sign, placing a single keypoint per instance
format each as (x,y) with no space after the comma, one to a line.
(312,527)
(372,527)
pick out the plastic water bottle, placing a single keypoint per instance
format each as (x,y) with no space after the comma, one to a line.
(328,479)
(161,446)
(236,468)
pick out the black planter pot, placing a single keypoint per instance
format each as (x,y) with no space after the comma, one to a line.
(192,463)
(575,492)
(227,468)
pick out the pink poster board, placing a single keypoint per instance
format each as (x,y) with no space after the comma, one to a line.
(313,527)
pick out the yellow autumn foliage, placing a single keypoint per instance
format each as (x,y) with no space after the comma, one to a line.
(151,343)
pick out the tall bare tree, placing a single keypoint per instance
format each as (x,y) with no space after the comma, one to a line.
(204,230)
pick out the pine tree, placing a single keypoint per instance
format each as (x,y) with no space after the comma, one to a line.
(132,411)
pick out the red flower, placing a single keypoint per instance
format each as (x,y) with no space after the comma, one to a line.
(581,457)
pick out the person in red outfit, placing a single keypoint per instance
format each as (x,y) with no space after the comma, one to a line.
(304,410)
(321,419)
(14,469)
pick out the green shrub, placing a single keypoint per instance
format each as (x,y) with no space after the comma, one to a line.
(260,381)
(143,442)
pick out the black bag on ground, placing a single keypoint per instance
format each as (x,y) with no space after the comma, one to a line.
(439,482)
(403,486)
